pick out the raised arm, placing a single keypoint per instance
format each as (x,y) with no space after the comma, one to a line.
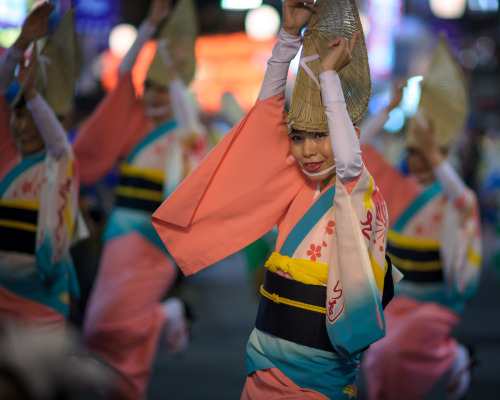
(371,126)
(343,136)
(425,135)
(296,15)
(50,128)
(34,27)
(185,114)
(52,131)
(360,220)
(158,11)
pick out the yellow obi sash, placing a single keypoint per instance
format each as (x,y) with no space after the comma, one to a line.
(305,271)
(18,225)
(140,188)
(418,259)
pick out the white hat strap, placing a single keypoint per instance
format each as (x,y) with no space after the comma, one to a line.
(161,45)
(303,64)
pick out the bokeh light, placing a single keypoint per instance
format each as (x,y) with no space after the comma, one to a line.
(448,9)
(262,23)
(240,4)
(121,38)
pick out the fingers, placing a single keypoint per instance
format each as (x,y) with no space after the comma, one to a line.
(291,4)
(349,44)
(308,4)
(300,3)
(44,9)
(333,43)
(353,41)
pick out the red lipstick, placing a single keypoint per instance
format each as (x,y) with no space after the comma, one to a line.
(312,167)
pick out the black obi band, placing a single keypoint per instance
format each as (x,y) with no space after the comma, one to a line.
(420,266)
(295,324)
(18,229)
(139,193)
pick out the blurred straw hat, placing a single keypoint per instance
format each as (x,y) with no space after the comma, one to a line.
(330,20)
(179,31)
(58,67)
(444,99)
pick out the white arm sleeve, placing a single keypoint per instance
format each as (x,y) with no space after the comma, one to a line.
(345,143)
(284,51)
(371,126)
(453,185)
(184,113)
(144,33)
(8,64)
(50,128)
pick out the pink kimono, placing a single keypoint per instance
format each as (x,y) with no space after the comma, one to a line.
(437,245)
(249,183)
(38,213)
(124,318)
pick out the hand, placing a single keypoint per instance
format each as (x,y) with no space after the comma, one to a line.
(397,94)
(35,26)
(425,137)
(341,53)
(158,11)
(296,15)
(26,75)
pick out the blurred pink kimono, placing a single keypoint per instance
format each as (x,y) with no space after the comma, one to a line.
(13,306)
(124,318)
(436,244)
(39,205)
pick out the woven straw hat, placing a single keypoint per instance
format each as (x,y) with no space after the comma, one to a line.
(180,29)
(444,98)
(58,67)
(330,20)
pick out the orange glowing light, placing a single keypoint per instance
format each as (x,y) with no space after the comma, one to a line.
(224,63)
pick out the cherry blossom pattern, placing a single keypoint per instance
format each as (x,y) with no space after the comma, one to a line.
(27,187)
(330,227)
(314,252)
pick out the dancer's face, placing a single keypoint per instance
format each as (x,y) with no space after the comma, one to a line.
(313,152)
(25,133)
(155,96)
(419,166)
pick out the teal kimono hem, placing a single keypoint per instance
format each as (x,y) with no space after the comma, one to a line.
(55,294)
(327,373)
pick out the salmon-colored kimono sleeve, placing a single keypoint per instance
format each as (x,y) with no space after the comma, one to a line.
(8,151)
(398,191)
(236,195)
(111,132)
